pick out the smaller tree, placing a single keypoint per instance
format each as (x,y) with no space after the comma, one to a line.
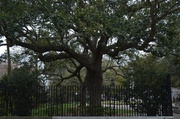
(22,87)
(174,68)
(147,76)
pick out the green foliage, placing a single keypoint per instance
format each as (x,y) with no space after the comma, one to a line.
(74,29)
(174,69)
(48,110)
(75,110)
(21,90)
(148,73)
(52,22)
(87,30)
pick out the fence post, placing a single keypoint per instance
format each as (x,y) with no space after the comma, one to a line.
(169,111)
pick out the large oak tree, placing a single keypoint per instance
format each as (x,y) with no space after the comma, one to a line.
(86,30)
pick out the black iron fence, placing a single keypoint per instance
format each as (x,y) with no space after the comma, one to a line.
(72,101)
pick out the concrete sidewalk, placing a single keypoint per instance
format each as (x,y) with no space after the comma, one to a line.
(176,116)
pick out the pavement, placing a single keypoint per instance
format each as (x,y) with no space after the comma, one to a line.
(176,116)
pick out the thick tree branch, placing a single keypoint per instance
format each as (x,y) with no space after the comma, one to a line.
(113,68)
(38,48)
(60,48)
(113,50)
(77,71)
(153,27)
(73,74)
(90,44)
(52,57)
(4,44)
(79,57)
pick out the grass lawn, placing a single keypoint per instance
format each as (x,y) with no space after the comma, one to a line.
(73,109)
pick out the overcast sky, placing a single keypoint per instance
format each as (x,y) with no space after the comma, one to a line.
(2,49)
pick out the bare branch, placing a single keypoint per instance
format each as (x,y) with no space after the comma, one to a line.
(153,27)
(76,73)
(113,68)
(5,44)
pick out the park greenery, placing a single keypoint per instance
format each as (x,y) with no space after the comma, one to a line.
(94,42)
(19,91)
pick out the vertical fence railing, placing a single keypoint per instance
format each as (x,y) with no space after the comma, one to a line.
(115,101)
(168,107)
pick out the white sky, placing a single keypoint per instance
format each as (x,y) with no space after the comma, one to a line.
(2,49)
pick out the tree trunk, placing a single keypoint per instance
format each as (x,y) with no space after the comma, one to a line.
(94,83)
(83,95)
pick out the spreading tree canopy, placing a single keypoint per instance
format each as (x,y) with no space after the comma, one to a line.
(87,30)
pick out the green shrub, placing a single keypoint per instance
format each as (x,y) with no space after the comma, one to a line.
(20,91)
